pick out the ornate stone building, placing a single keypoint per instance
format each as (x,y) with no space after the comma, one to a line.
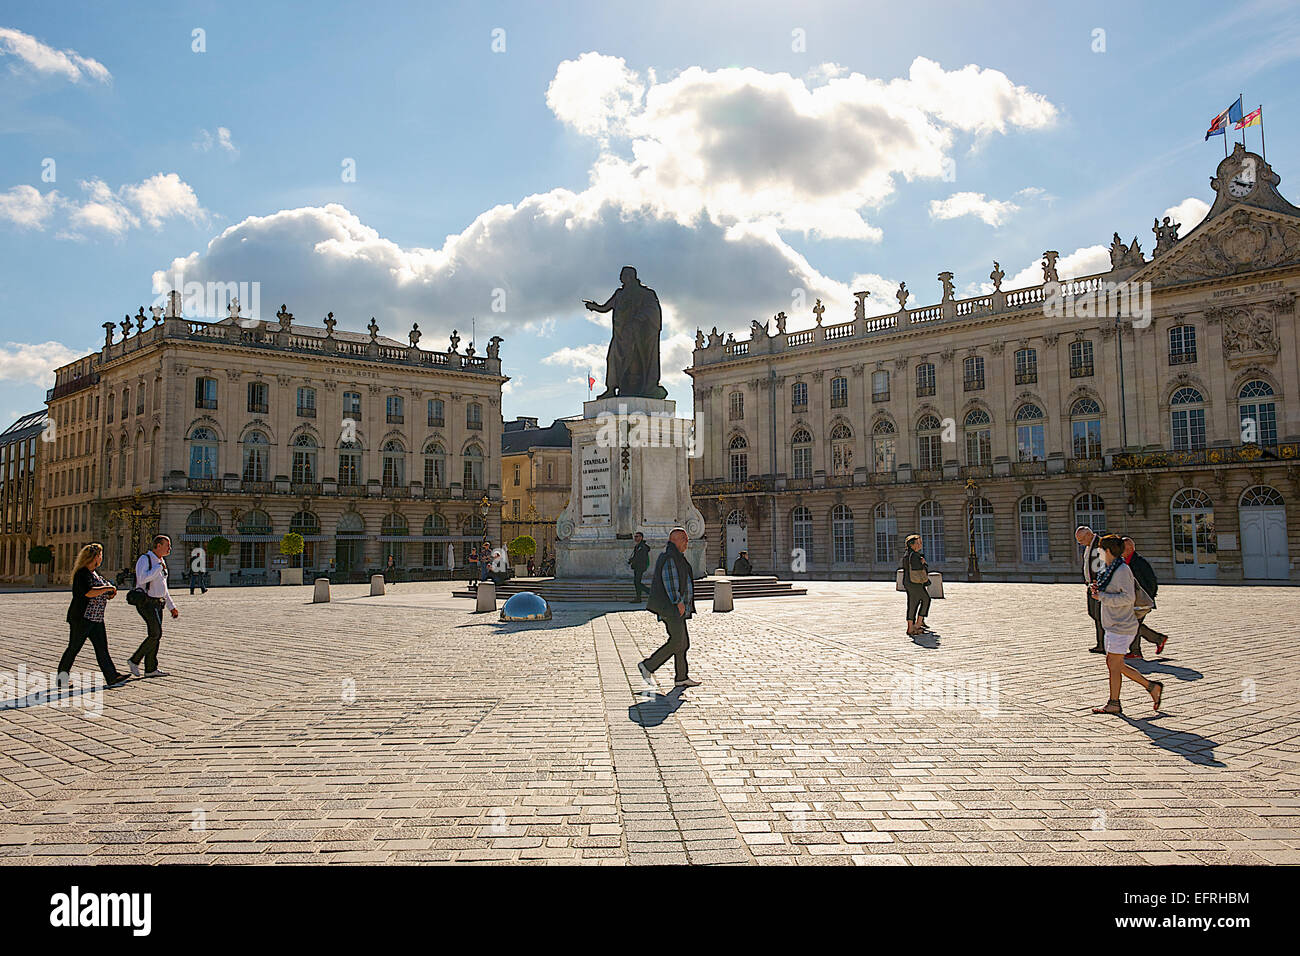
(997,424)
(251,429)
(535,473)
(71,473)
(21,456)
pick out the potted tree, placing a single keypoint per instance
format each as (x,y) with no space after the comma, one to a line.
(292,545)
(219,547)
(42,556)
(520,550)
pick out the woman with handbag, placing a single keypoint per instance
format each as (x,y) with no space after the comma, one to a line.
(1116,590)
(90,593)
(916,581)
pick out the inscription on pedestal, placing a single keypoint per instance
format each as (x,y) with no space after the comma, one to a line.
(595,482)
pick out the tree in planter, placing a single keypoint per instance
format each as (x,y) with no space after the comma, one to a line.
(41,555)
(521,549)
(293,545)
(219,547)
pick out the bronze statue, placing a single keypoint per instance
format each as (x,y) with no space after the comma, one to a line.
(632,364)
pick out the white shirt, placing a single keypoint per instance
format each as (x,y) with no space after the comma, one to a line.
(1089,575)
(151,574)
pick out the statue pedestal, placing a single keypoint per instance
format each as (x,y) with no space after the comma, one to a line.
(630,473)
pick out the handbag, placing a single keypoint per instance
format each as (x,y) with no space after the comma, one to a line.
(915,576)
(138,596)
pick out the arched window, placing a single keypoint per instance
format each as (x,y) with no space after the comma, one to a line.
(739,459)
(256,451)
(394,464)
(1030,442)
(1090,509)
(1187,419)
(349,463)
(203,453)
(1261,496)
(472,479)
(1191,514)
(1257,413)
(1033,530)
(801,532)
(929,443)
(435,552)
(839,392)
(886,531)
(351,523)
(201,524)
(394,526)
(304,460)
(932,530)
(435,466)
(306,524)
(736,401)
(979,438)
(842,535)
(841,450)
(884,450)
(255,532)
(801,453)
(982,521)
(1085,429)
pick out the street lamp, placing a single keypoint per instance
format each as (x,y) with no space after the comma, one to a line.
(972,559)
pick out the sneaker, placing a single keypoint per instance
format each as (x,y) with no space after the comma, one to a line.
(687,683)
(645,673)
(118,681)
(135,668)
(1096,650)
(65,680)
(156,673)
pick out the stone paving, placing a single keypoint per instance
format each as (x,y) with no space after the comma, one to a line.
(406,729)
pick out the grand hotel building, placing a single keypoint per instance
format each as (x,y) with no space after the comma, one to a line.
(251,429)
(999,423)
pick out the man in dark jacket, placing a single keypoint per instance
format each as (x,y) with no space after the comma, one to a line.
(1145,576)
(672,598)
(639,561)
(1092,565)
(742,565)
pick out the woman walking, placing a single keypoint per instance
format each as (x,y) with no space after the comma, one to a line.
(90,593)
(1116,590)
(916,581)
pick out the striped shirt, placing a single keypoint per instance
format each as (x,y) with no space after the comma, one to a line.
(673,585)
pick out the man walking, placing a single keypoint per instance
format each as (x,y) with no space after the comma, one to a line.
(1145,576)
(1093,563)
(672,598)
(639,561)
(151,575)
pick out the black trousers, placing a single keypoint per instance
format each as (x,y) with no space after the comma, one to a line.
(78,632)
(151,611)
(637,575)
(1094,612)
(918,600)
(1144,633)
(679,641)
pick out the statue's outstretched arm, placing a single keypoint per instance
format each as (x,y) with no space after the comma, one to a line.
(609,305)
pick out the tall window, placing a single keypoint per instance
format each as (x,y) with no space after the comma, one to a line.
(739,459)
(1191,514)
(396,410)
(801,453)
(886,530)
(1187,419)
(884,450)
(1033,530)
(979,438)
(126,404)
(839,392)
(842,534)
(798,396)
(932,530)
(929,443)
(1081,358)
(1257,413)
(1026,366)
(352,405)
(255,530)
(304,460)
(473,469)
(306,403)
(736,402)
(435,552)
(109,409)
(306,524)
(1182,345)
(1030,443)
(349,464)
(801,531)
(203,454)
(435,466)
(1090,509)
(474,416)
(394,462)
(880,386)
(257,398)
(394,526)
(841,450)
(924,379)
(1085,429)
(516,476)
(982,520)
(256,449)
(435,413)
(973,373)
(139,399)
(205,393)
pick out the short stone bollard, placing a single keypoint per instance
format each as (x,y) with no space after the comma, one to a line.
(722,597)
(486,596)
(936,585)
(376,584)
(322,593)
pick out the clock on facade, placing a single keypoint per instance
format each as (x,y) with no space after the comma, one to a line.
(1243,181)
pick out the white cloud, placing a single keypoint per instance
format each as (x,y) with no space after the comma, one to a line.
(595,95)
(25,206)
(41,58)
(33,364)
(206,140)
(105,210)
(1086,261)
(1189,212)
(992,211)
(163,196)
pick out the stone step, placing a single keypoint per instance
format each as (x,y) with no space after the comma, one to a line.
(622,591)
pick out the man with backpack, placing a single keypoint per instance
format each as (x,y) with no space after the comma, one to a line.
(151,579)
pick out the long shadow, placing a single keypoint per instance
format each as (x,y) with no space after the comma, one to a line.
(1178,742)
(652,713)
(45,696)
(1159,666)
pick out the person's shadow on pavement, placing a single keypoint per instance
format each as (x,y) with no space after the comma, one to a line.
(653,712)
(927,639)
(1157,666)
(1191,747)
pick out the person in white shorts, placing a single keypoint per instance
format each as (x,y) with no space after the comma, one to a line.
(1116,590)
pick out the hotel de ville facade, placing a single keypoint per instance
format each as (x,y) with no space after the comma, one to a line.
(995,425)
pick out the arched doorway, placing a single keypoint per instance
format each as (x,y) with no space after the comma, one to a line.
(737,538)
(349,543)
(1191,515)
(1263,534)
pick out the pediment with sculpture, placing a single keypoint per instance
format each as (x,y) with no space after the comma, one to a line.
(1245,240)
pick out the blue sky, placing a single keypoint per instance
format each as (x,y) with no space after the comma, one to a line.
(733,152)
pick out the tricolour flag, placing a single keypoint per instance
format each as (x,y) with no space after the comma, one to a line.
(1251,119)
(1220,123)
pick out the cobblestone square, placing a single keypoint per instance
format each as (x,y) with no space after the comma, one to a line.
(406,729)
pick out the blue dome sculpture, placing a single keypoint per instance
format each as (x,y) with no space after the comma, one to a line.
(526,606)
